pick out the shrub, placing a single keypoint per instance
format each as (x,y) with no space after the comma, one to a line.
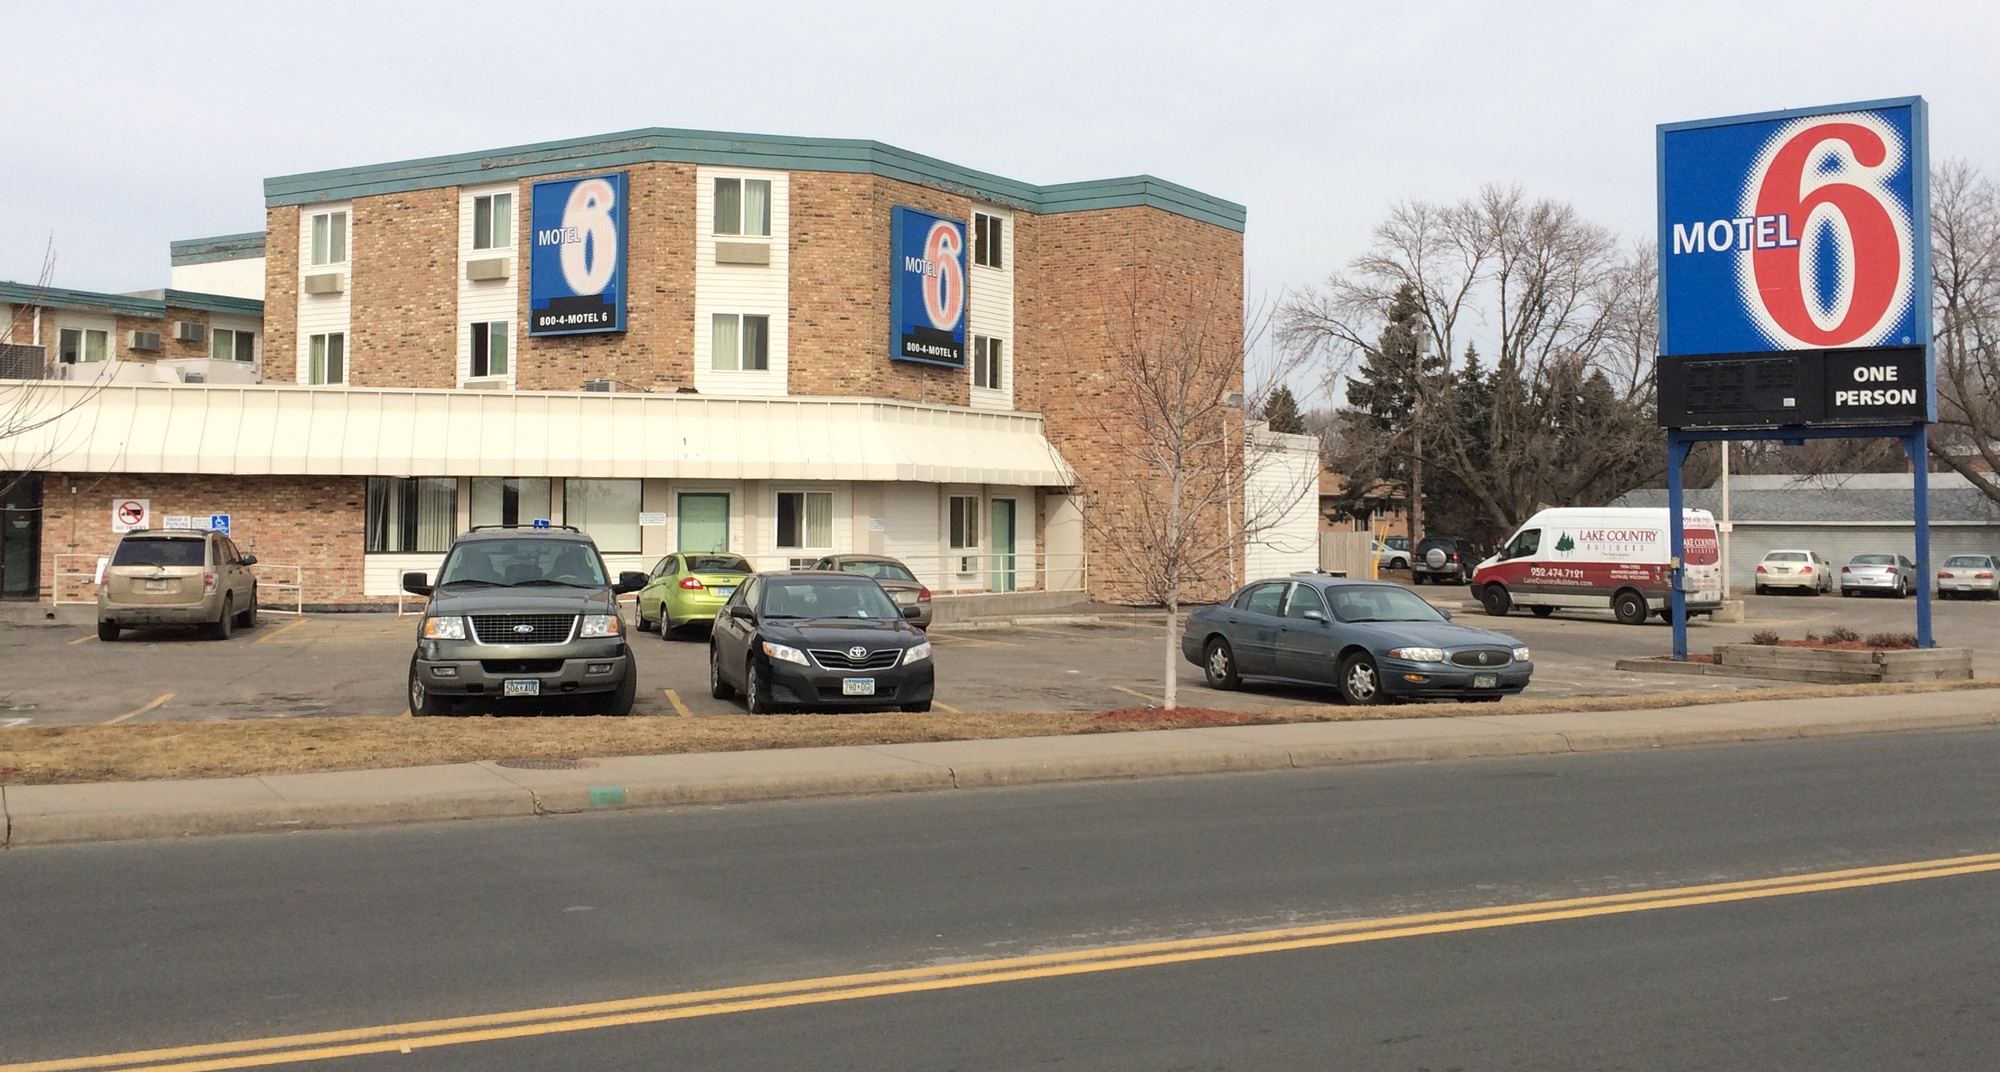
(1765,637)
(1841,634)
(1892,640)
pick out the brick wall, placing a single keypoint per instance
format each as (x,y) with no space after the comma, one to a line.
(281,293)
(403,326)
(314,522)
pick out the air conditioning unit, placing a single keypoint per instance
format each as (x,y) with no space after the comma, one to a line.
(191,376)
(604,386)
(190,331)
(145,340)
(326,283)
(487,269)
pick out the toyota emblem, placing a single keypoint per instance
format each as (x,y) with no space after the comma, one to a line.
(524,628)
(857,653)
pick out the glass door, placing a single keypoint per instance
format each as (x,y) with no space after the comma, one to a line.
(20,535)
(1003,545)
(704,522)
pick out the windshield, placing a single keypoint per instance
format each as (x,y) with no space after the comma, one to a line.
(1874,560)
(1967,562)
(1380,603)
(159,551)
(718,564)
(881,571)
(1785,556)
(524,562)
(826,597)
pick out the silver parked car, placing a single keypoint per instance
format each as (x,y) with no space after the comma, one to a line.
(177,577)
(894,577)
(1890,575)
(1969,576)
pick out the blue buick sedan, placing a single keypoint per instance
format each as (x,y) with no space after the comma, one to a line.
(1376,642)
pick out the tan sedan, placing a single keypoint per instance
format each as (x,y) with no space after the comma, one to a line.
(178,577)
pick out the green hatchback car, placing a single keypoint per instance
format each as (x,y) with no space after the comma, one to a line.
(689,588)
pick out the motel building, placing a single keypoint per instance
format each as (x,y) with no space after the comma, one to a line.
(672,340)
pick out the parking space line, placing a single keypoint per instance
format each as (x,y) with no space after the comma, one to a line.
(281,631)
(679,707)
(946,706)
(135,714)
(1136,692)
(81,639)
(971,643)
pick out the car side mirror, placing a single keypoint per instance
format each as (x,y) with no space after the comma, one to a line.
(247,560)
(742,613)
(913,612)
(417,584)
(630,581)
(1446,613)
(1315,616)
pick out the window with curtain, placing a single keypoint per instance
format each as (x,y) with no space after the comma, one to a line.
(740,342)
(493,221)
(805,519)
(964,521)
(227,345)
(82,344)
(328,358)
(987,366)
(510,500)
(606,510)
(489,348)
(743,207)
(411,514)
(329,238)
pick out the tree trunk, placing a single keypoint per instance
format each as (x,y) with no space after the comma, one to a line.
(1171,690)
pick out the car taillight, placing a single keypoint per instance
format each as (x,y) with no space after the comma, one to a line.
(208,582)
(923,595)
(1847,569)
(1942,576)
(1454,556)
(1761,569)
(1983,576)
(1892,571)
(691,583)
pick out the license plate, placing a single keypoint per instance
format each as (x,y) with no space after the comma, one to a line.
(1485,681)
(1965,588)
(906,597)
(530,687)
(857,686)
(725,593)
(156,586)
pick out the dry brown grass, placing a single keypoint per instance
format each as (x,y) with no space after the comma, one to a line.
(56,754)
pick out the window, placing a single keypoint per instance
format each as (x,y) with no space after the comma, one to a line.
(1303,599)
(493,222)
(607,510)
(964,521)
(743,206)
(329,238)
(82,344)
(740,342)
(986,240)
(489,349)
(411,514)
(329,358)
(1262,599)
(986,363)
(1525,544)
(227,345)
(805,519)
(511,500)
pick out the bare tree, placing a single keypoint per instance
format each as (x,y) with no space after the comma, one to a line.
(1186,493)
(1965,283)
(22,410)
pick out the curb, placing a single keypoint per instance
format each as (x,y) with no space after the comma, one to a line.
(47,815)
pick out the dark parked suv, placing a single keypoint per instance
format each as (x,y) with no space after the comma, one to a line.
(818,641)
(522,613)
(1443,560)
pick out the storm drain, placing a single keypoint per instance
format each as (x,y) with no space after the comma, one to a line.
(544,764)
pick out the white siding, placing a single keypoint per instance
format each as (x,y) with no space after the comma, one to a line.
(1280,504)
(488,300)
(990,294)
(382,574)
(321,314)
(910,515)
(237,279)
(737,288)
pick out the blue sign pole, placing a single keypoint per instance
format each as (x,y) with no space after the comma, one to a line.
(1677,453)
(1917,445)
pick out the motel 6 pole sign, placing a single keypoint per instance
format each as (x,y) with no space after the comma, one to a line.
(1795,288)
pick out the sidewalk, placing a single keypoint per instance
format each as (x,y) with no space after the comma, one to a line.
(49,814)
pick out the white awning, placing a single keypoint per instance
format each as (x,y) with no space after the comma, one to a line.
(286,429)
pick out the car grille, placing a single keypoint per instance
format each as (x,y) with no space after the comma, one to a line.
(1482,657)
(879,659)
(521,666)
(504,629)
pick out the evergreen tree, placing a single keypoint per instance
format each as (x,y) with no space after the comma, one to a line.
(1282,412)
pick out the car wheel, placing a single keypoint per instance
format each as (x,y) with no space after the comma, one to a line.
(1760,589)
(1846,593)
(423,702)
(1496,600)
(1630,608)
(248,619)
(1218,664)
(1543,612)
(1359,683)
(107,631)
(1416,578)
(619,701)
(717,687)
(917,708)
(1902,592)
(225,626)
(756,690)
(643,624)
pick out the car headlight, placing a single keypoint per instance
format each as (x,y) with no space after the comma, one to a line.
(450,628)
(784,653)
(916,653)
(1418,655)
(1520,655)
(599,625)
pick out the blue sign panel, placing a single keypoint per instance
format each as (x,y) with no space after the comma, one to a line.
(576,261)
(219,523)
(927,288)
(1797,230)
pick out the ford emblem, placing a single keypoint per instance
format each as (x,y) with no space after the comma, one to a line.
(857,653)
(524,628)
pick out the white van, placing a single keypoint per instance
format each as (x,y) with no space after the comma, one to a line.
(1594,558)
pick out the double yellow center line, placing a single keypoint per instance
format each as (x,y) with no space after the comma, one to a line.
(425,1034)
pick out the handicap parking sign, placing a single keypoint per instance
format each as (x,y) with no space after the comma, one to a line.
(219,523)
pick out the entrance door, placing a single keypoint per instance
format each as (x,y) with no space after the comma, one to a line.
(704,523)
(20,535)
(1003,545)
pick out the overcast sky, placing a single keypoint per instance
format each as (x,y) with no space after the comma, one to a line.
(132,125)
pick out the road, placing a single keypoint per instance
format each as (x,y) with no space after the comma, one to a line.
(116,948)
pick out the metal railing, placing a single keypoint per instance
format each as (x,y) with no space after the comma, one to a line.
(83,581)
(296,587)
(980,570)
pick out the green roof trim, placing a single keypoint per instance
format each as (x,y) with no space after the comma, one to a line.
(141,305)
(234,247)
(774,152)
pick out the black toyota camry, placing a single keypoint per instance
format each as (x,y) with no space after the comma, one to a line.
(820,641)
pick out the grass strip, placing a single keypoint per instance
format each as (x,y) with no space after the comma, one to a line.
(49,755)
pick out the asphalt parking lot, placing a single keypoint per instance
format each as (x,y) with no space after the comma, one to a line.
(355,664)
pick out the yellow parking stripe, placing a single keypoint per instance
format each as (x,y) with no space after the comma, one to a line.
(281,632)
(945,706)
(135,714)
(81,639)
(428,1034)
(679,707)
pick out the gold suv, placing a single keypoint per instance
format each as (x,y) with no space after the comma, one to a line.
(182,577)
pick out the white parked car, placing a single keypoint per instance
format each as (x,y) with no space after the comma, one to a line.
(1795,569)
(1969,577)
(1888,574)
